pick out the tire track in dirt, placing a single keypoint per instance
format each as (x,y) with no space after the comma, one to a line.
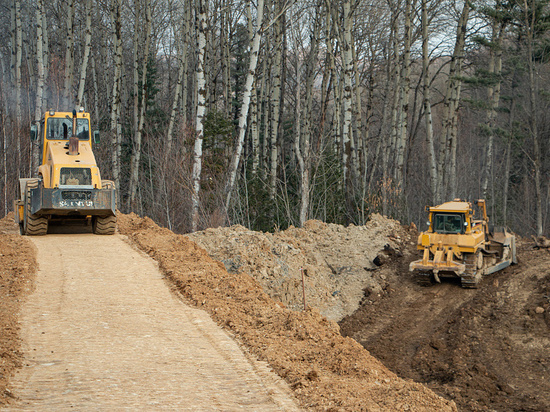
(486,349)
(103,331)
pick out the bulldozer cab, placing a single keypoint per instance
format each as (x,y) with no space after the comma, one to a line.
(62,128)
(448,223)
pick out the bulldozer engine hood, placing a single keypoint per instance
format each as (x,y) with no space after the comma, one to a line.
(62,169)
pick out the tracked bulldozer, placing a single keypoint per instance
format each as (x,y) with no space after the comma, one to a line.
(68,186)
(457,245)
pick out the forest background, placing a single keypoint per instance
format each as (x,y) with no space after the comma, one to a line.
(269,113)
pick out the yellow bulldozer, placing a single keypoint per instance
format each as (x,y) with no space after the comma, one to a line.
(68,186)
(457,245)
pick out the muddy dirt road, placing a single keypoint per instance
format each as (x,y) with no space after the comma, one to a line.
(487,349)
(102,330)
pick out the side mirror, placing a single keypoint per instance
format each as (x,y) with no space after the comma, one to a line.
(96,136)
(34,132)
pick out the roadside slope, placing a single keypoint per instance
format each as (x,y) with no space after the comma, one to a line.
(325,369)
(17,273)
(486,348)
(102,330)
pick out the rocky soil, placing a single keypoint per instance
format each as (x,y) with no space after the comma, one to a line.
(485,349)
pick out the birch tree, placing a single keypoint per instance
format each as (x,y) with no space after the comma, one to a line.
(201,109)
(38,105)
(250,77)
(182,60)
(432,165)
(275,100)
(69,57)
(17,76)
(136,148)
(529,22)
(448,142)
(116,127)
(86,56)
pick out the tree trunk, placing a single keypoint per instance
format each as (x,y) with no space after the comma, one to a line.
(432,165)
(347,135)
(276,103)
(136,149)
(250,77)
(447,160)
(404,100)
(530,26)
(182,58)
(40,79)
(68,98)
(85,58)
(116,132)
(201,109)
(493,97)
(18,86)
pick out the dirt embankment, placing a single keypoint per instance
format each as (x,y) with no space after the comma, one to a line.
(326,370)
(17,269)
(487,349)
(337,261)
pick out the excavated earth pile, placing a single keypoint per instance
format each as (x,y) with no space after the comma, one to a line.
(487,348)
(337,261)
(17,270)
(326,370)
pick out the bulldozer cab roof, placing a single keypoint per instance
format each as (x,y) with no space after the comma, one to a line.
(455,206)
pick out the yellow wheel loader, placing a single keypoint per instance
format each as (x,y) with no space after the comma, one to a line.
(69,185)
(457,245)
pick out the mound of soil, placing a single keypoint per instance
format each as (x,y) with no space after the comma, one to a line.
(487,349)
(17,269)
(337,261)
(327,371)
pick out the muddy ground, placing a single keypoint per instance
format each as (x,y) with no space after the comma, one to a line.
(17,270)
(485,349)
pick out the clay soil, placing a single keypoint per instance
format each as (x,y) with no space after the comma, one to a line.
(485,349)
(17,269)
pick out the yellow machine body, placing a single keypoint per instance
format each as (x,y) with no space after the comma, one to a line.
(458,245)
(68,183)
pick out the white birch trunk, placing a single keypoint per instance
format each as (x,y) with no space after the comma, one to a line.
(201,109)
(115,95)
(347,136)
(530,26)
(250,77)
(427,104)
(68,102)
(447,148)
(135,83)
(493,96)
(275,107)
(404,100)
(182,58)
(136,149)
(85,58)
(254,131)
(17,77)
(40,78)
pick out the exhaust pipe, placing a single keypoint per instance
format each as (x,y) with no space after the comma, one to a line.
(73,140)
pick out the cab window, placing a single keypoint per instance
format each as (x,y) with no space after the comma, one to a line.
(448,223)
(59,128)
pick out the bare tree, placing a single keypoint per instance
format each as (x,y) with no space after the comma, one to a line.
(201,109)
(250,77)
